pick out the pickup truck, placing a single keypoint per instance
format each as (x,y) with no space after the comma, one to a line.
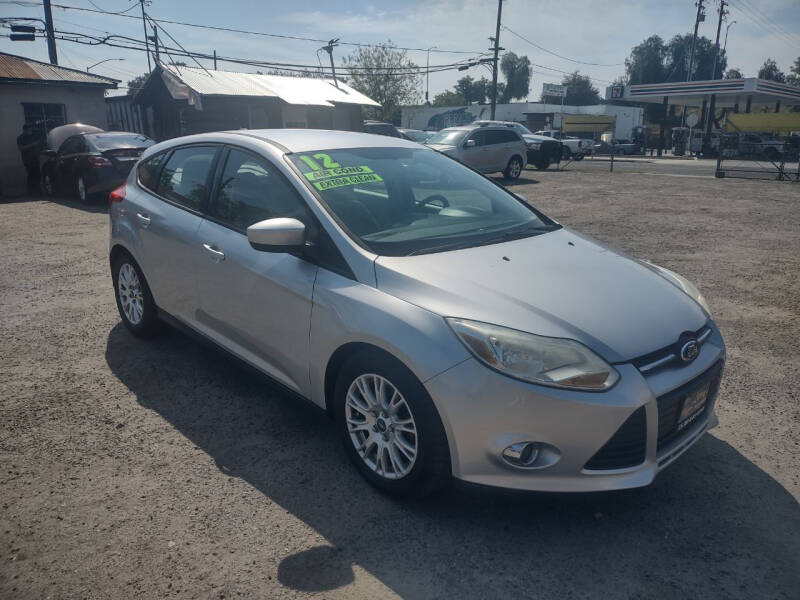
(760,145)
(573,147)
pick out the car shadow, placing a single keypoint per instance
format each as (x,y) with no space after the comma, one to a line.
(521,180)
(94,205)
(713,525)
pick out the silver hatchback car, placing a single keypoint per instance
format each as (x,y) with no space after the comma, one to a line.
(485,148)
(450,328)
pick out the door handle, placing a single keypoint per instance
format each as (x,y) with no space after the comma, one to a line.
(215,254)
(144,220)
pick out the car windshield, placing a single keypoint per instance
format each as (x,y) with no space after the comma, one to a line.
(450,137)
(120,140)
(401,201)
(522,129)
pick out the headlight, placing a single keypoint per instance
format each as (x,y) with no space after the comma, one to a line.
(680,281)
(548,361)
(533,146)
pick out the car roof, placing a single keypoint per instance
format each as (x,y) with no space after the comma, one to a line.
(304,140)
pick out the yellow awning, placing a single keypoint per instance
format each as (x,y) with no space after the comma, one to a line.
(764,122)
(593,123)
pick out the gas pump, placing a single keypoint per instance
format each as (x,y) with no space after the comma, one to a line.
(680,140)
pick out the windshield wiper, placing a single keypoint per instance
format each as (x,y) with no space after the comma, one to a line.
(506,236)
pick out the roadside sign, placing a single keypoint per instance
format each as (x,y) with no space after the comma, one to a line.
(554,90)
(692,119)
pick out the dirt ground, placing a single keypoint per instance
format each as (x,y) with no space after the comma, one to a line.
(161,469)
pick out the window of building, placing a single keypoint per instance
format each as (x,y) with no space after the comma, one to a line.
(43,117)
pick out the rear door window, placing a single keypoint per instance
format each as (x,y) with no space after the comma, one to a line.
(186,175)
(148,171)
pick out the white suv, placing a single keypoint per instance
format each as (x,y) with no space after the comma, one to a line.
(485,148)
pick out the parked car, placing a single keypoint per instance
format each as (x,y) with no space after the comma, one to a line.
(415,135)
(485,148)
(573,147)
(616,147)
(449,327)
(87,164)
(754,144)
(380,128)
(541,151)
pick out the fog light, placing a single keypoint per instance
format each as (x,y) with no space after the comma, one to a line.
(521,454)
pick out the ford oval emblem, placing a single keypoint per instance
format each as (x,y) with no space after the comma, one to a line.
(689,351)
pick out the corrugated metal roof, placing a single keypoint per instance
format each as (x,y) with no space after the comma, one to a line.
(293,90)
(18,67)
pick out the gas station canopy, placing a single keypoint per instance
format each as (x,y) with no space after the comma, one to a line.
(728,92)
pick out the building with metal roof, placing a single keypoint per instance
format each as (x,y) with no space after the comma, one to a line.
(45,96)
(177,100)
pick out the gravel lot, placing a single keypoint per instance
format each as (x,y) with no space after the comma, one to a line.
(163,469)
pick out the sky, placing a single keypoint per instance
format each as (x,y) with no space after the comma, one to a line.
(580,31)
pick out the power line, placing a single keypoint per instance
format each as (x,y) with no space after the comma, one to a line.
(244,31)
(766,23)
(111,12)
(543,49)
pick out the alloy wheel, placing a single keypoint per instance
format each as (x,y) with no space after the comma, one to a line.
(130,294)
(381,426)
(515,168)
(48,185)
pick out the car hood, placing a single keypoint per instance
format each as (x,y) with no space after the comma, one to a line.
(443,148)
(538,139)
(558,284)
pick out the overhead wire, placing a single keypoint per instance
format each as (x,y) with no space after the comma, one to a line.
(543,49)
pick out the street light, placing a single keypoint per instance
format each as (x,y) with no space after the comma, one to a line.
(727,29)
(428,73)
(101,62)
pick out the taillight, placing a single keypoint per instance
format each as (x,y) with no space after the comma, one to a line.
(117,195)
(99,161)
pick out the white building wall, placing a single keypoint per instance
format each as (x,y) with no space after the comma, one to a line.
(83,104)
(424,117)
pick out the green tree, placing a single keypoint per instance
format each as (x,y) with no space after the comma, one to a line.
(733,73)
(473,90)
(769,70)
(386,75)
(793,78)
(646,62)
(448,98)
(135,84)
(517,72)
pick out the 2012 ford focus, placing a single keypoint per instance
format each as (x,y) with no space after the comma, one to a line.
(450,328)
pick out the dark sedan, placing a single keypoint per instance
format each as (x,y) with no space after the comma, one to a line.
(87,165)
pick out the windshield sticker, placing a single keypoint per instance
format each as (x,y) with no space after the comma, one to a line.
(337,172)
(327,161)
(336,182)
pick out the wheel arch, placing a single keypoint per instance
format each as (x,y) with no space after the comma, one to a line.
(338,359)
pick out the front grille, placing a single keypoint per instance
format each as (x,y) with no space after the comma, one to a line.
(670,404)
(670,354)
(627,446)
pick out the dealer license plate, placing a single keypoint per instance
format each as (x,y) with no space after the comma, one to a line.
(693,405)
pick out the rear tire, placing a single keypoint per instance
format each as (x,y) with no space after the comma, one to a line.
(135,303)
(514,168)
(379,433)
(84,197)
(47,185)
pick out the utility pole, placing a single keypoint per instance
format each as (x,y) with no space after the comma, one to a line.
(701,16)
(215,60)
(51,37)
(494,62)
(428,73)
(712,106)
(154,37)
(727,29)
(146,42)
(329,49)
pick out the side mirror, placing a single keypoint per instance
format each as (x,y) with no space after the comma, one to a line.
(277,235)
(470,144)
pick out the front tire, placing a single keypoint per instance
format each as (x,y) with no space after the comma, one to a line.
(134,300)
(390,427)
(578,157)
(514,168)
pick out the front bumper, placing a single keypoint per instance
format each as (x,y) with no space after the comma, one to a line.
(484,412)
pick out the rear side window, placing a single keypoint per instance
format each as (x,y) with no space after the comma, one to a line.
(184,178)
(148,171)
(251,190)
